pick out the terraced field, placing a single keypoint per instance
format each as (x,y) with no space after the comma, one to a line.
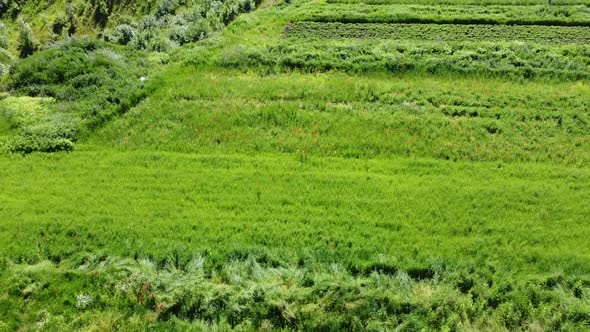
(340,165)
(464,2)
(441,32)
(578,15)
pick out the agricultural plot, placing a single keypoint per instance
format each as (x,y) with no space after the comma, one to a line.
(515,60)
(167,240)
(307,165)
(463,2)
(441,32)
(453,14)
(356,116)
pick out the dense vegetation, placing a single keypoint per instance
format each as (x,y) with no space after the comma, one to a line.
(312,166)
(440,32)
(509,15)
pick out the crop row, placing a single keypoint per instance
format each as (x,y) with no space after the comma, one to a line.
(508,15)
(440,32)
(505,59)
(465,2)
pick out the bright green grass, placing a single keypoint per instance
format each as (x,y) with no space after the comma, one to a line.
(480,227)
(273,199)
(525,219)
(358,116)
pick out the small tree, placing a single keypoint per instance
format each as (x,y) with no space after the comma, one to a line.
(26,45)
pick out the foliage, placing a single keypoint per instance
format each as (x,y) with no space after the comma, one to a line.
(516,60)
(6,58)
(40,129)
(89,81)
(255,240)
(507,15)
(26,45)
(172,24)
(440,32)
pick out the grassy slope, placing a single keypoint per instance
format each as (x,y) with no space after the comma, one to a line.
(228,165)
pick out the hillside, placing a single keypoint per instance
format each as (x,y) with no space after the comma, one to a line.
(296,165)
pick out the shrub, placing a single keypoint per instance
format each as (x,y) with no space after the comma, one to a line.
(88,82)
(122,34)
(29,144)
(26,45)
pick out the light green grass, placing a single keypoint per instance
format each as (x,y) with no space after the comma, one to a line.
(319,185)
(520,218)
(358,116)
(494,224)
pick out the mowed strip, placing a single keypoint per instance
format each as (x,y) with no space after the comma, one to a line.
(440,32)
(440,14)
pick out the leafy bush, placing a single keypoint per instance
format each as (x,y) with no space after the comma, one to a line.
(26,45)
(173,24)
(40,127)
(86,81)
(37,143)
(122,34)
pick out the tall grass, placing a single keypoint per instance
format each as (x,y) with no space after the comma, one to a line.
(269,241)
(351,115)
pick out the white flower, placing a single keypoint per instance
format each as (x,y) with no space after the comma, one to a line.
(83,301)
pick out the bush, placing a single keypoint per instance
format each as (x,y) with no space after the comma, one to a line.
(29,144)
(88,82)
(26,45)
(122,35)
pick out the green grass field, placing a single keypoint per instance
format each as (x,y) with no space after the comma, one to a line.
(444,14)
(293,172)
